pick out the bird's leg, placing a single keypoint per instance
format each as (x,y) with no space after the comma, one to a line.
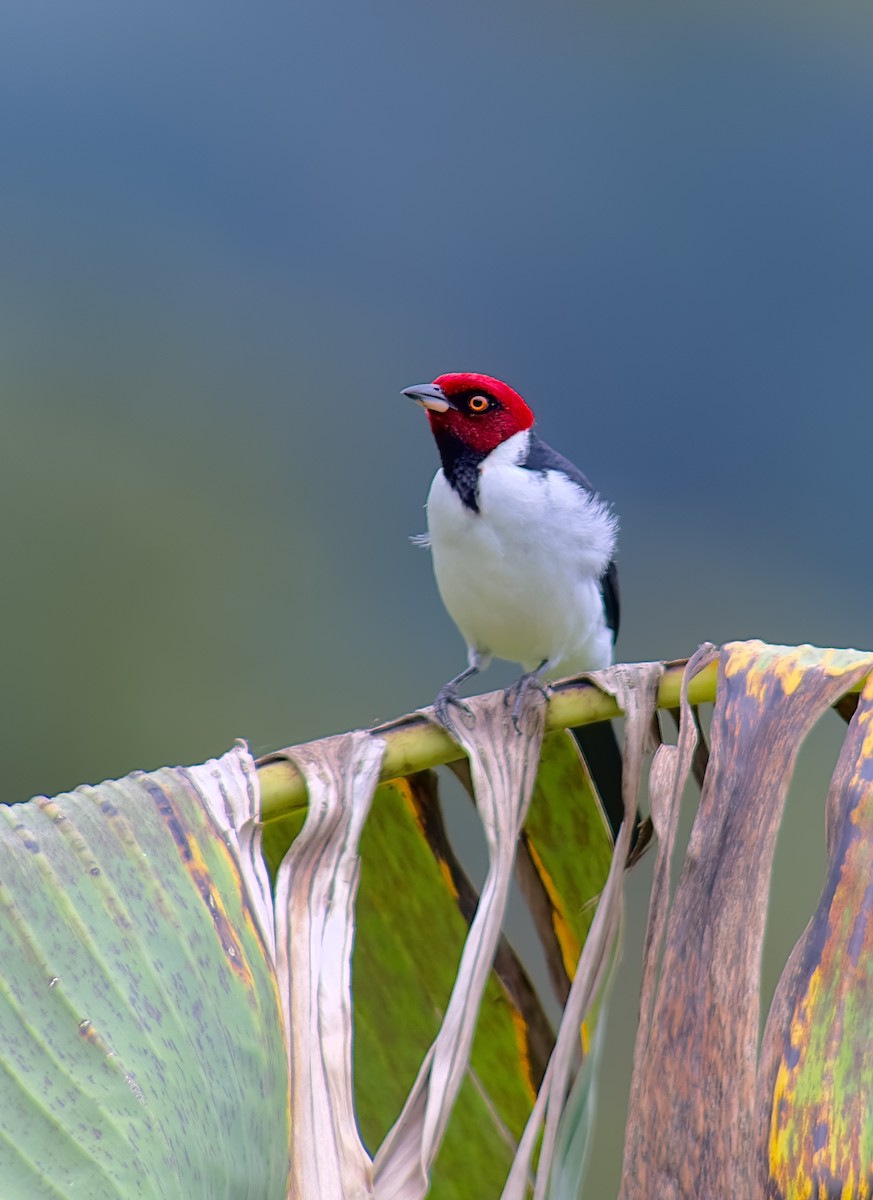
(448,693)
(531,679)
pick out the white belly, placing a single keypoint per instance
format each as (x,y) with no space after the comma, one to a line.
(520,578)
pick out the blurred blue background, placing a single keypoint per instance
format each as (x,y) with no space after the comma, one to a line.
(232,234)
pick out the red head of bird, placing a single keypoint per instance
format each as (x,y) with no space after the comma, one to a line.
(478,410)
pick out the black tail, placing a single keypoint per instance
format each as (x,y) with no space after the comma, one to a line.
(601,752)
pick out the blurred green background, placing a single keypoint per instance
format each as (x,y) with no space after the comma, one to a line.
(231,234)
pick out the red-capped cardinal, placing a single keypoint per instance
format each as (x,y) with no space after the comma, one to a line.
(522,553)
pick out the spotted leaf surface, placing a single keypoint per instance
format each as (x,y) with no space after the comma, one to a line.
(816,1093)
(141,1045)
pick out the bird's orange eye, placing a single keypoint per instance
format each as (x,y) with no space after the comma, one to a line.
(478,404)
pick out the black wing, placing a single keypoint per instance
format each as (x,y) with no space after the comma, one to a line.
(541,457)
(610,594)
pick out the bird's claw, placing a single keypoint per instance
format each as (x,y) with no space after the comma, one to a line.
(446,697)
(518,692)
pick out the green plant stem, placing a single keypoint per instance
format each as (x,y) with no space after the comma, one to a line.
(415,743)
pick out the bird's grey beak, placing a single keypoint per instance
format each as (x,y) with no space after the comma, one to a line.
(429,395)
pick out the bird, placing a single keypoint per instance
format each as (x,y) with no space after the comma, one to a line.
(523,553)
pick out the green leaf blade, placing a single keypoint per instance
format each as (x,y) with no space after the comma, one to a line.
(140,1030)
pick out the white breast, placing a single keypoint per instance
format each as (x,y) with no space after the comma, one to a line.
(520,578)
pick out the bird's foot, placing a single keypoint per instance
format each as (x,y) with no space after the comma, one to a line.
(518,693)
(446,697)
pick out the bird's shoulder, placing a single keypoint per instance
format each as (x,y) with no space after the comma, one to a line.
(540,456)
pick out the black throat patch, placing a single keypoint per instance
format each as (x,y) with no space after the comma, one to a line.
(461,467)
